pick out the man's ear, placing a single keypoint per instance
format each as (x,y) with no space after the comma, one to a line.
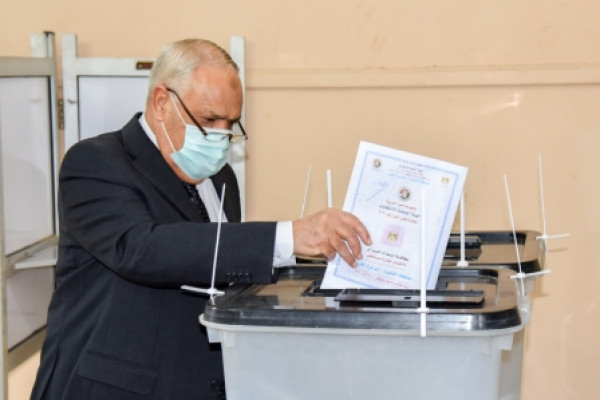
(160,97)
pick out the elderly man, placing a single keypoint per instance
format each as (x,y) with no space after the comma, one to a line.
(133,229)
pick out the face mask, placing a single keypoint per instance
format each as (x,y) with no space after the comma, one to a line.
(200,158)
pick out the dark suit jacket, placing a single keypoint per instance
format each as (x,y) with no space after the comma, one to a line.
(119,327)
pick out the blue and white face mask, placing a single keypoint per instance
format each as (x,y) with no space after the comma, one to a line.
(201,156)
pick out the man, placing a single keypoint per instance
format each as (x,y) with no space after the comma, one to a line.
(119,327)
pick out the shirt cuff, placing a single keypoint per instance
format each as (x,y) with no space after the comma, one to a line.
(283,254)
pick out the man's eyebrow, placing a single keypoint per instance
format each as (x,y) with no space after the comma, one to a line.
(214,115)
(208,114)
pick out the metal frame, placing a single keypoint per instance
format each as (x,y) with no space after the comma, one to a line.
(43,253)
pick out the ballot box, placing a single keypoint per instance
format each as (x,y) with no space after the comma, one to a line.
(294,340)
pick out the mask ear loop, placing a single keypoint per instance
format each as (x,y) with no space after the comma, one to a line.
(176,109)
(162,123)
(167,135)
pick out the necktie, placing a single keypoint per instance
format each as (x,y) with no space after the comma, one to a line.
(197,201)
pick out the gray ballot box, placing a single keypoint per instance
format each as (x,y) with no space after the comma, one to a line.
(293,340)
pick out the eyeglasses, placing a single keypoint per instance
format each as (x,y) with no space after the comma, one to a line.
(213,137)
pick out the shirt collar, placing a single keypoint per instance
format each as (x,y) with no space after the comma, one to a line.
(147,129)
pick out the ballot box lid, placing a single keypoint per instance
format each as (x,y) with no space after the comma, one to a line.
(466,300)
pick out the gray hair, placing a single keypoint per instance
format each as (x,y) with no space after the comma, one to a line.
(177,62)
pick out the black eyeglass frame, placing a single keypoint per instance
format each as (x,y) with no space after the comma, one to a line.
(233,138)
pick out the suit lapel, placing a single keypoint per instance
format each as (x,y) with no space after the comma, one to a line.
(150,163)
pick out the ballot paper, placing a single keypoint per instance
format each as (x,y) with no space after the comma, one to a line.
(385,192)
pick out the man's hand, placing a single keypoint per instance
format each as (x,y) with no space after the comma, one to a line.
(328,232)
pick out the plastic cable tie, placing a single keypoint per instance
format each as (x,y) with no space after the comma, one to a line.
(210,291)
(522,275)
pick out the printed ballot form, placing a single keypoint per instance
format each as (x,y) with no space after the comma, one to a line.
(385,192)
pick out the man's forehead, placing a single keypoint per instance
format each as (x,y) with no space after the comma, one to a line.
(215,92)
(216,74)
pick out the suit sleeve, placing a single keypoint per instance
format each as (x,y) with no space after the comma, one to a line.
(109,212)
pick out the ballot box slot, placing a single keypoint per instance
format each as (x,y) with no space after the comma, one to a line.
(410,298)
(446,294)
(447,276)
(478,239)
(315,290)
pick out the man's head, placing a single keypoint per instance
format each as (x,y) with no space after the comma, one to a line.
(193,82)
(177,62)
